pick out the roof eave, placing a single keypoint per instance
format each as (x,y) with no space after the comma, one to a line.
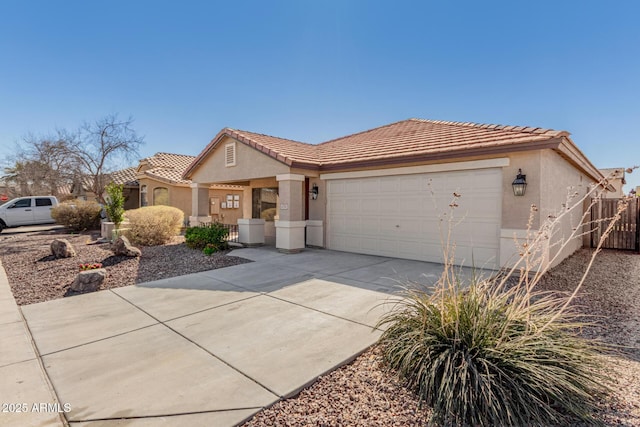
(552,143)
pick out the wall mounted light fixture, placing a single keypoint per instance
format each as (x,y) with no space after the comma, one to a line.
(314,192)
(519,184)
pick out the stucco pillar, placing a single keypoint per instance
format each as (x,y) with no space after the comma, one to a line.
(291,225)
(199,204)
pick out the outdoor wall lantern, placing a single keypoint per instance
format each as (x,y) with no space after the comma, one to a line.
(314,192)
(519,184)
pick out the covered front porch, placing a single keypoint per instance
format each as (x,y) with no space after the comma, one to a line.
(276,211)
(283,199)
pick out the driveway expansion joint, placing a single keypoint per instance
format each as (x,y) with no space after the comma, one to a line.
(201,347)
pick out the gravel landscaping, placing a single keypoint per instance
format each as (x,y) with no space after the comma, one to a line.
(36,276)
(363,393)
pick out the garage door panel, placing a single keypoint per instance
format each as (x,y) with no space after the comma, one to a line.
(386,185)
(367,211)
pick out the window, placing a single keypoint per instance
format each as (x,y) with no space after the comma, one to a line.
(160,196)
(264,201)
(143,196)
(44,202)
(22,203)
(230,154)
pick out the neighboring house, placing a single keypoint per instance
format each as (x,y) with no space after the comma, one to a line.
(131,188)
(615,178)
(384,191)
(161,183)
(81,188)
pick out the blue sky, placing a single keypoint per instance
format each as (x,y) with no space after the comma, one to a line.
(314,71)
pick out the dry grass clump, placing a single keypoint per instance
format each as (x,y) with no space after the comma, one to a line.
(78,215)
(153,225)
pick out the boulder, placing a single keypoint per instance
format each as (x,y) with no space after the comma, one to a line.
(62,248)
(89,280)
(122,246)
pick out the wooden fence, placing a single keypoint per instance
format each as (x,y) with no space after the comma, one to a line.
(626,232)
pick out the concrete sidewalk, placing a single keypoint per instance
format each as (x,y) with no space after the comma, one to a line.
(211,348)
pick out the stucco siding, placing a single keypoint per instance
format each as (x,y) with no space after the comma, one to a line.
(250,164)
(562,187)
(517,209)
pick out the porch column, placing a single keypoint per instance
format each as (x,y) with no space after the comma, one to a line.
(291,224)
(199,204)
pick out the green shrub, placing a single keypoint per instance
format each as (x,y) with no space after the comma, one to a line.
(153,225)
(210,238)
(115,203)
(77,215)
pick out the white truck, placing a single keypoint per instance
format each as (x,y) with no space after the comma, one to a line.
(29,210)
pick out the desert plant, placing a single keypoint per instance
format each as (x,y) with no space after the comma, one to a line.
(115,203)
(212,236)
(495,351)
(153,225)
(77,215)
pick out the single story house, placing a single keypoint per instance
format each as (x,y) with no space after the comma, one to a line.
(161,183)
(384,191)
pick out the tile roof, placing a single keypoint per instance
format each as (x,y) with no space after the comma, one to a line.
(412,138)
(126,177)
(415,137)
(168,167)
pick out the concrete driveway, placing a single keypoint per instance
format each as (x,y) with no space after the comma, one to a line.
(211,348)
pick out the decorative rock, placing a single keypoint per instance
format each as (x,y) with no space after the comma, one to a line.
(62,248)
(122,246)
(89,280)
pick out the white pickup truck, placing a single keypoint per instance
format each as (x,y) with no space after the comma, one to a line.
(27,211)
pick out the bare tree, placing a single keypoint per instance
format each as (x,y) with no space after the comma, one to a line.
(104,146)
(84,159)
(42,165)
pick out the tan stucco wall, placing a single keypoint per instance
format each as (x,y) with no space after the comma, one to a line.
(617,193)
(250,164)
(229,215)
(318,207)
(549,179)
(516,210)
(562,186)
(179,196)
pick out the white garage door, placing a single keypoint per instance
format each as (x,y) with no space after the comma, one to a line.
(406,216)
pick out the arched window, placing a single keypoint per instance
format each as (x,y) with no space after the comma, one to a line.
(143,196)
(161,196)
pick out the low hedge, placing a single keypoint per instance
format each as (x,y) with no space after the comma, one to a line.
(209,238)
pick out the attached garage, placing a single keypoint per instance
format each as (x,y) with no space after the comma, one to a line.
(406,216)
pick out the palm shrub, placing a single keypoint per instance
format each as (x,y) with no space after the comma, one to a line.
(77,215)
(115,203)
(209,238)
(496,351)
(153,225)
